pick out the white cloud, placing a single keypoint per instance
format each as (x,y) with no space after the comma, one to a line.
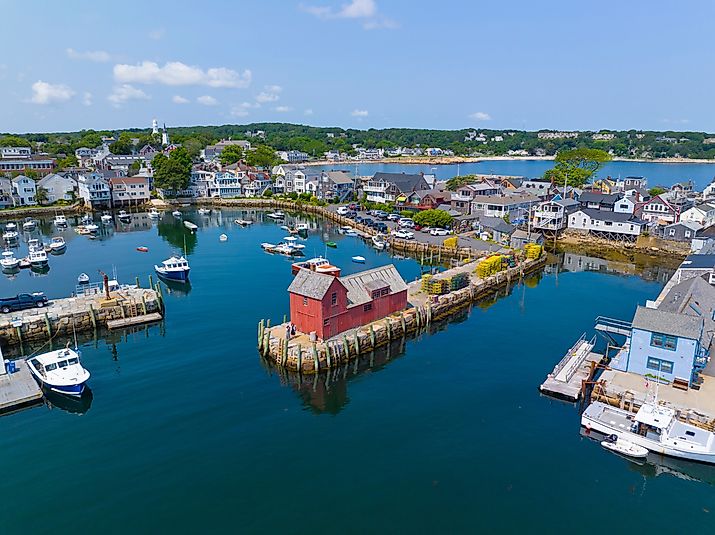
(271,94)
(206,100)
(87,98)
(308,111)
(239,111)
(247,105)
(99,56)
(480,116)
(125,92)
(359,113)
(46,93)
(178,99)
(365,10)
(282,109)
(176,73)
(157,33)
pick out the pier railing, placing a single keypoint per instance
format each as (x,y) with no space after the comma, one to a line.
(573,358)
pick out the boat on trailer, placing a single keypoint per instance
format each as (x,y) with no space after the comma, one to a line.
(61,371)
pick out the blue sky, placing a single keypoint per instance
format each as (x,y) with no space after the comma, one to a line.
(358,63)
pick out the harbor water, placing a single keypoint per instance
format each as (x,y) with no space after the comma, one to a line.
(186,430)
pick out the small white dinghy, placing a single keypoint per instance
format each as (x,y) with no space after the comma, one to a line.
(624,447)
(359,259)
(191,226)
(222,237)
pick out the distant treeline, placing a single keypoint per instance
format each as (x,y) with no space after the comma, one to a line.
(317,140)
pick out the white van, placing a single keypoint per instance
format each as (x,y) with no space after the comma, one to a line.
(342,210)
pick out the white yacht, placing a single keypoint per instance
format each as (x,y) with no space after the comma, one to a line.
(276,215)
(204,211)
(58,244)
(8,261)
(60,220)
(176,213)
(106,219)
(60,371)
(154,213)
(29,225)
(37,255)
(653,427)
(379,242)
(10,236)
(174,268)
(124,217)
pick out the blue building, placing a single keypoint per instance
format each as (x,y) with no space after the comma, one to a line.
(672,340)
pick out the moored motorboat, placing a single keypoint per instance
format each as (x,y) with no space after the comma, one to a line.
(58,244)
(60,220)
(176,213)
(318,264)
(37,255)
(204,211)
(287,249)
(302,227)
(358,259)
(268,246)
(276,215)
(91,227)
(124,217)
(379,242)
(83,278)
(624,447)
(25,263)
(331,244)
(175,268)
(10,236)
(154,213)
(11,226)
(242,222)
(106,219)
(29,225)
(60,371)
(8,261)
(191,226)
(143,249)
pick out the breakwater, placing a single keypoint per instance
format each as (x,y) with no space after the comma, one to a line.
(130,305)
(301,354)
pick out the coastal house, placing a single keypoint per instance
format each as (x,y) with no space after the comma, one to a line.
(213,152)
(15,152)
(129,190)
(594,200)
(6,193)
(672,341)
(513,206)
(327,305)
(553,215)
(681,231)
(59,187)
(337,185)
(703,214)
(387,187)
(604,224)
(292,156)
(255,184)
(94,190)
(658,209)
(625,205)
(494,228)
(520,238)
(36,163)
(539,188)
(606,186)
(24,190)
(227,184)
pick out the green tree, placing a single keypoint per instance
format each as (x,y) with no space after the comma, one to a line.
(656,190)
(173,172)
(67,161)
(576,166)
(14,141)
(433,218)
(41,195)
(135,167)
(231,154)
(263,156)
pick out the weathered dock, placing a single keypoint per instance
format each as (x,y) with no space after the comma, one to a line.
(300,353)
(18,389)
(81,313)
(573,371)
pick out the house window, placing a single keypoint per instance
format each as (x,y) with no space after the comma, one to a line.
(326,322)
(664,366)
(305,301)
(687,234)
(375,294)
(664,341)
(367,307)
(384,292)
(334,299)
(671,232)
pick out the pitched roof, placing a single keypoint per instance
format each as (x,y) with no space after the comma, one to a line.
(592,196)
(666,322)
(358,284)
(524,235)
(404,182)
(310,284)
(693,297)
(699,261)
(496,223)
(506,200)
(617,217)
(339,177)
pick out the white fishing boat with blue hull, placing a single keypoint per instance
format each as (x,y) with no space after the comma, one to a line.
(175,268)
(60,371)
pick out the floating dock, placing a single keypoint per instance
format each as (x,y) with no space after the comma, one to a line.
(18,389)
(302,354)
(567,379)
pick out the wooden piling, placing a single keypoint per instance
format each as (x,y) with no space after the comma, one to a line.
(49,328)
(316,365)
(93,318)
(300,358)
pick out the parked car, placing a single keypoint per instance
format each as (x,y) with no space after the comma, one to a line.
(393,217)
(342,210)
(359,219)
(351,215)
(22,301)
(381,214)
(381,227)
(354,206)
(424,229)
(440,232)
(406,222)
(403,234)
(367,221)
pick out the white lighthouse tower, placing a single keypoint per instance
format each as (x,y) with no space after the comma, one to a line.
(164,136)
(154,127)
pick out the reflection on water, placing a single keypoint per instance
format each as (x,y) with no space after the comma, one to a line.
(75,405)
(655,465)
(647,268)
(178,289)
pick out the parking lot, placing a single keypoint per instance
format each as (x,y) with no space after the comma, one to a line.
(424,237)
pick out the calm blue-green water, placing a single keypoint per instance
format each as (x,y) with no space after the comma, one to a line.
(665,174)
(189,432)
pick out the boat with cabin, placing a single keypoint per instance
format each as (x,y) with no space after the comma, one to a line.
(191,226)
(176,214)
(124,217)
(276,215)
(59,371)
(204,211)
(154,213)
(58,244)
(10,236)
(242,222)
(106,219)
(317,264)
(287,249)
(175,268)
(655,428)
(379,242)
(37,255)
(60,220)
(29,225)
(8,261)
(223,237)
(83,278)
(11,226)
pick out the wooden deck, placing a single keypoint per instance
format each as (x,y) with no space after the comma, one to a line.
(134,320)
(569,387)
(18,389)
